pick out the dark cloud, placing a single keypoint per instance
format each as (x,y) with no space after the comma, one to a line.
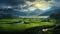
(12,2)
(57,0)
(16,2)
(31,0)
(47,0)
(3,1)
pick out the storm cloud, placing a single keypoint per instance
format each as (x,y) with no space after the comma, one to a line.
(11,2)
(28,4)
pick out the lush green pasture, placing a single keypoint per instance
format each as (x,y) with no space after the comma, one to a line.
(23,26)
(9,20)
(4,24)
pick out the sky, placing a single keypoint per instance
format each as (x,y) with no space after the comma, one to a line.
(29,5)
(40,4)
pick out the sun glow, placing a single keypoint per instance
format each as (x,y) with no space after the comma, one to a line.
(31,6)
(42,5)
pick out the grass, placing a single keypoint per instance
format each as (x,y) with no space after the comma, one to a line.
(23,26)
(9,20)
(9,27)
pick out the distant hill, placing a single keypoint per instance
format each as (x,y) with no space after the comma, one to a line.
(13,12)
(21,13)
(56,15)
(36,12)
(51,11)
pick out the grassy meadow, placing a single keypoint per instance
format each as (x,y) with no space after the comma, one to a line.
(16,24)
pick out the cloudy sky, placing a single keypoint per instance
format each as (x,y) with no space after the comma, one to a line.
(29,5)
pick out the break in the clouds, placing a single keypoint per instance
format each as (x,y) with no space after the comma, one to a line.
(30,4)
(42,5)
(39,4)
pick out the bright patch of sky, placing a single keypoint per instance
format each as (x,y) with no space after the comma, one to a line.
(39,4)
(31,5)
(42,5)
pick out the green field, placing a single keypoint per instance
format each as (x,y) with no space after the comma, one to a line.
(28,23)
(9,20)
